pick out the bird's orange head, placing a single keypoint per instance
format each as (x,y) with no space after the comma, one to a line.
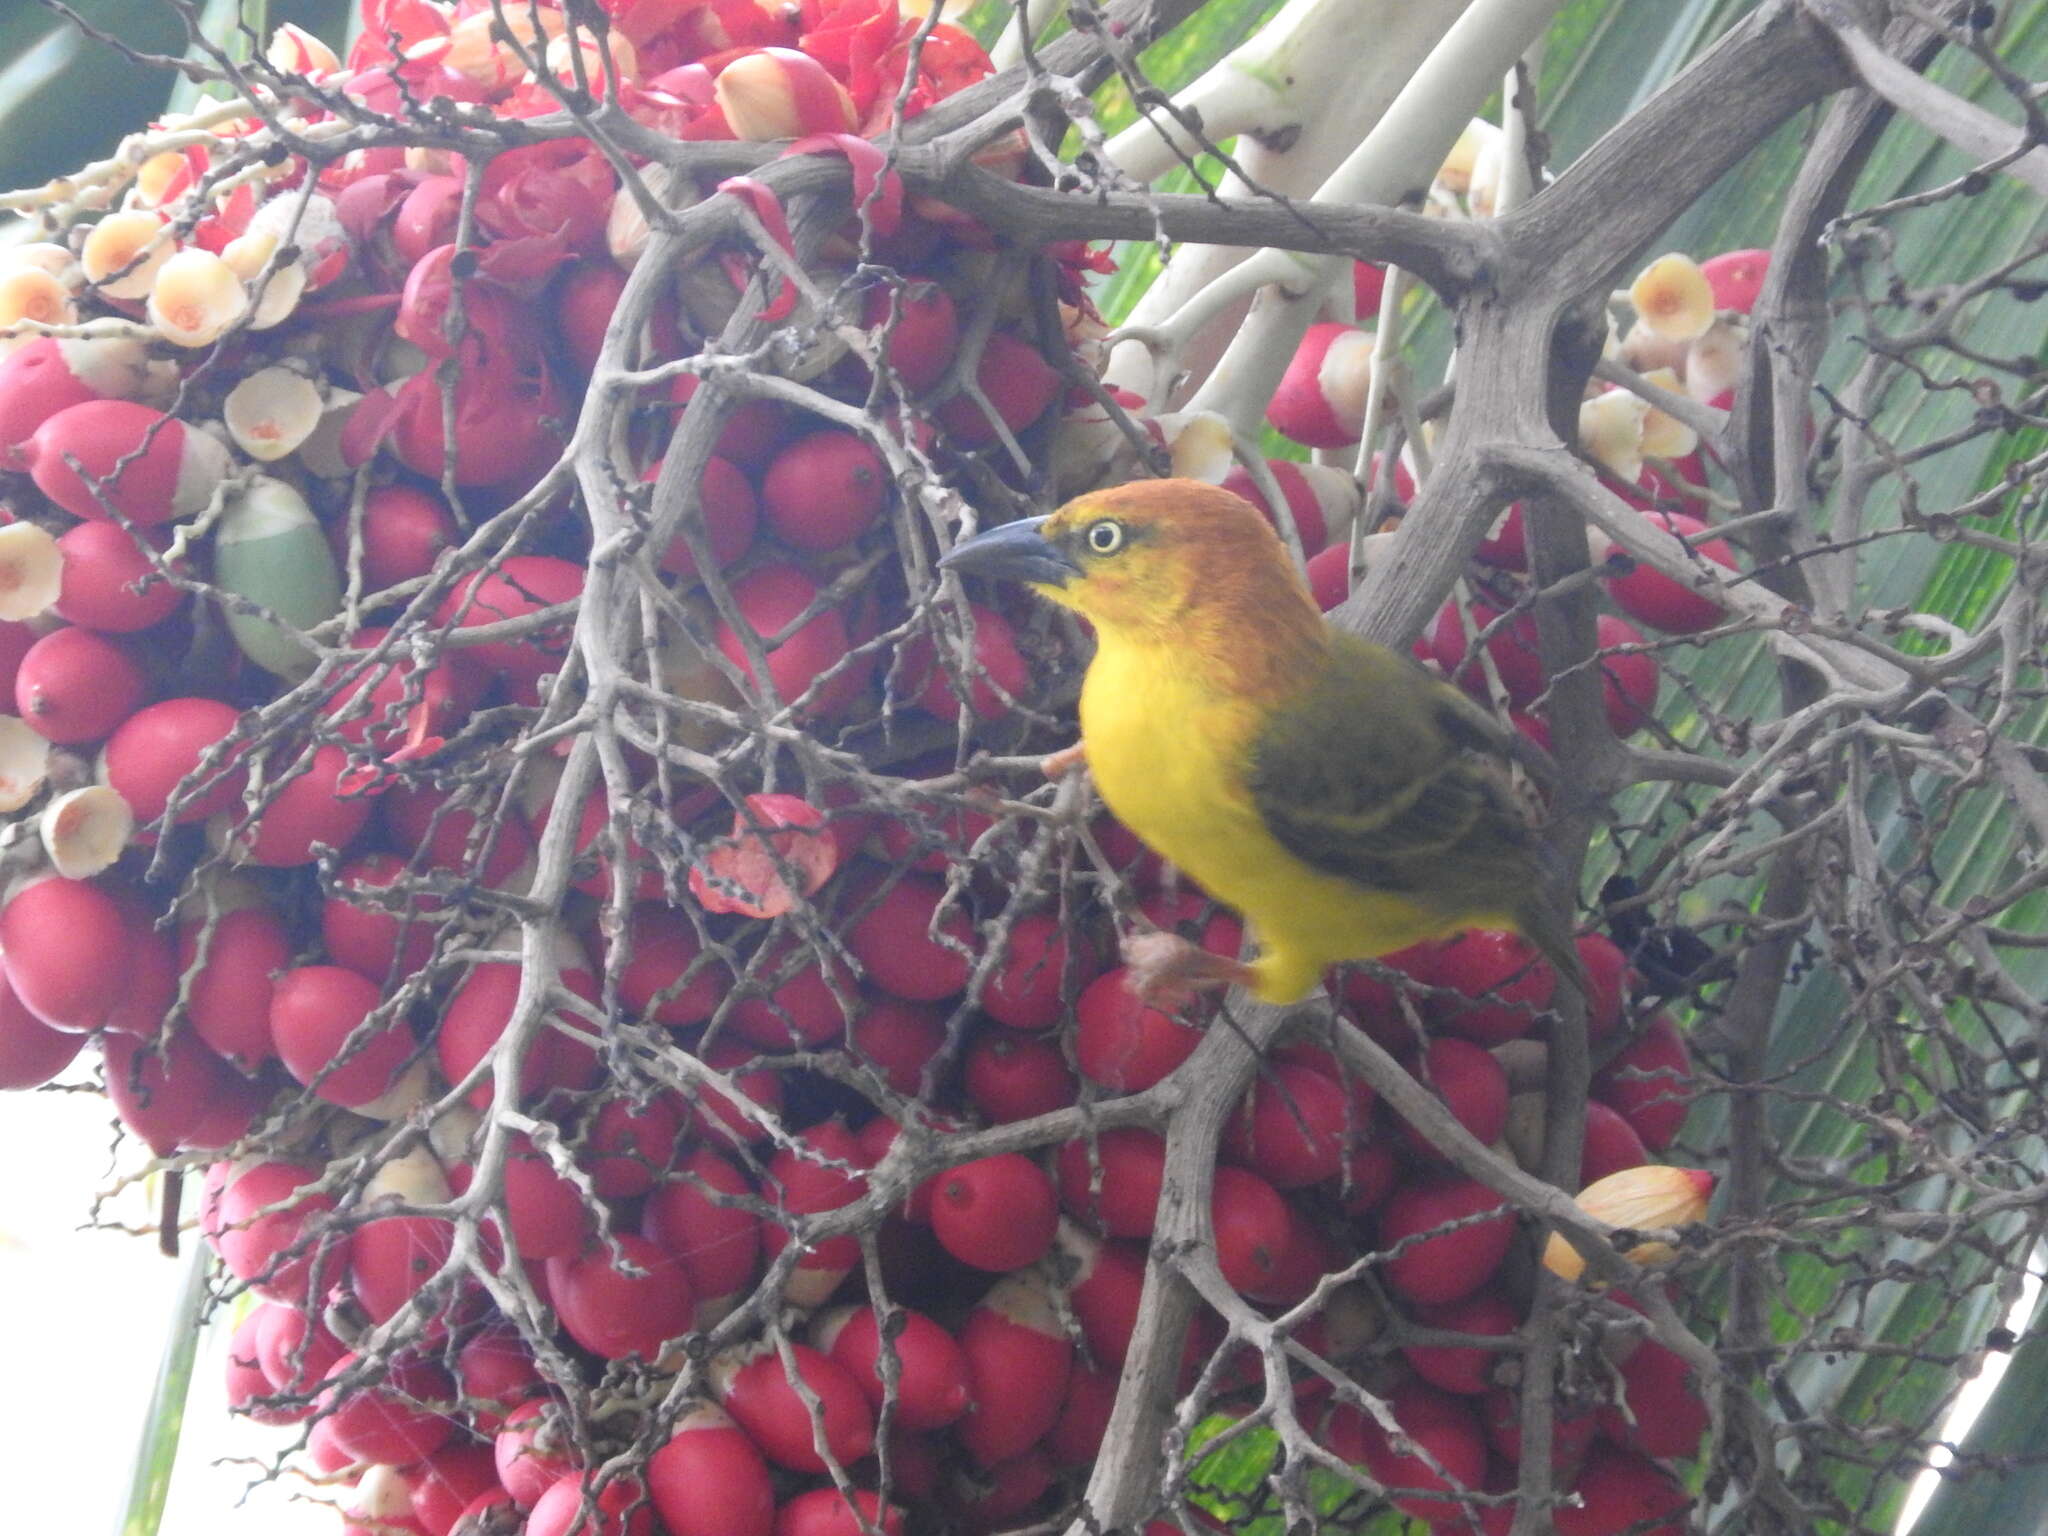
(1168,559)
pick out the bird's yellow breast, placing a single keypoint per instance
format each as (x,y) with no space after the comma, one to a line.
(1169,753)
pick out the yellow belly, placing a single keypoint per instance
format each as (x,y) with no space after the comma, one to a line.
(1168,756)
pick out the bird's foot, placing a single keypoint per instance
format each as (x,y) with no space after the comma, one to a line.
(1168,972)
(1058,765)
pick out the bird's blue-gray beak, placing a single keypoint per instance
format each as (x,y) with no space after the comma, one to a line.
(1014,552)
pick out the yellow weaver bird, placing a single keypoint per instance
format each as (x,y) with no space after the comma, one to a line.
(1346,801)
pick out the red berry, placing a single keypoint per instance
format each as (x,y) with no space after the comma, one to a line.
(996,1213)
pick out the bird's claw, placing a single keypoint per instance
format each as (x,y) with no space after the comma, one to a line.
(1168,972)
(1057,765)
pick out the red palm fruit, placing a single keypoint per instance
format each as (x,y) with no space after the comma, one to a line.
(1658,1410)
(1368,282)
(1606,970)
(730,513)
(1105,1282)
(1312,493)
(15,639)
(427,218)
(1506,545)
(1628,679)
(1195,917)
(1321,397)
(828,1512)
(391,1258)
(996,1213)
(1377,1005)
(369,940)
(893,942)
(1611,1144)
(314,1010)
(779,93)
(162,1089)
(1112,1179)
(899,1040)
(752,432)
(1000,674)
(1293,1126)
(568,1507)
(583,308)
(824,1171)
(31,1053)
(988,1500)
(718,1244)
(394,707)
(532,1451)
(1516,653)
(1369,1176)
(1027,986)
(56,938)
(405,530)
(448,1482)
(930,839)
(400,1415)
(75,685)
(521,585)
(1621,1491)
(46,374)
(1076,1439)
(159,745)
(1649,1080)
(228,997)
(754,1386)
(1018,1360)
(803,1010)
(627,1146)
(475,1017)
(452,837)
(166,469)
(925,334)
(496,1372)
(1143,868)
(614,1314)
(727,1118)
(663,946)
(1449,1264)
(1500,1412)
(1502,968)
(272,1250)
(231,1110)
(545,1210)
(774,856)
(1465,1369)
(710,1480)
(1649,596)
(825,490)
(1736,278)
(1304,1258)
(1124,1044)
(1329,575)
(1013,1077)
(769,599)
(247,1384)
(1445,1452)
(294,1351)
(1253,1229)
(1014,377)
(1471,1084)
(109,584)
(931,1388)
(312,811)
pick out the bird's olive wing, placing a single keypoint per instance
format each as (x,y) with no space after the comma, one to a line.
(1370,773)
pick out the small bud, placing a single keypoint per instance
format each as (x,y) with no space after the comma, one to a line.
(473,50)
(132,243)
(29,293)
(24,762)
(1456,173)
(1713,363)
(53,258)
(1611,431)
(195,298)
(1655,1195)
(1673,298)
(778,93)
(1199,444)
(271,412)
(85,830)
(597,73)
(295,51)
(31,571)
(1665,436)
(163,178)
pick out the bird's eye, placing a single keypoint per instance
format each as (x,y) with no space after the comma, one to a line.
(1105,537)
